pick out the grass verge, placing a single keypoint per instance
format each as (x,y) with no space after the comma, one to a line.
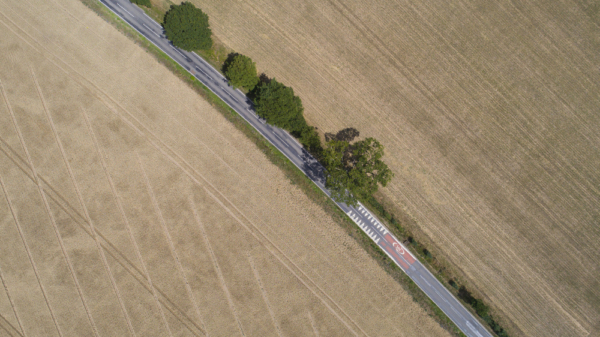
(295,176)
(441,269)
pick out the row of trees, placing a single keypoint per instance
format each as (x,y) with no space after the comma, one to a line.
(354,170)
(272,100)
(482,310)
(278,105)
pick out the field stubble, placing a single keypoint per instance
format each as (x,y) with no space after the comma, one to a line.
(489,115)
(158,218)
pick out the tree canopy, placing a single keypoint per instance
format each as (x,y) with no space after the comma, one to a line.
(187,27)
(347,135)
(354,170)
(241,71)
(277,104)
(142,2)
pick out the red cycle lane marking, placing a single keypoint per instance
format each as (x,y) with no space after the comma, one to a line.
(399,249)
(396,257)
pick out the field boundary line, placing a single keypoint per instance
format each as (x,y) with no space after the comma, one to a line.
(81,201)
(263,292)
(124,218)
(313,324)
(14,120)
(12,303)
(216,266)
(169,239)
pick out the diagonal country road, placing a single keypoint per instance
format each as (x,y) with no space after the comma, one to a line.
(285,143)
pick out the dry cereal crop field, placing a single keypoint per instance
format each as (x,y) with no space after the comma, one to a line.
(130,206)
(489,112)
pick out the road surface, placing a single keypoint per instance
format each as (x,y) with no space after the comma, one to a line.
(212,79)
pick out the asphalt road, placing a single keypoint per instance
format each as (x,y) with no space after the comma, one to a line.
(211,78)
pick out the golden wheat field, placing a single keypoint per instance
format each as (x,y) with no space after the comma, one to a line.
(489,112)
(130,206)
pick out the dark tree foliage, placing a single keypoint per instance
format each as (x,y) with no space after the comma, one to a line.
(465,295)
(277,104)
(240,71)
(263,78)
(187,27)
(354,170)
(311,141)
(481,309)
(345,135)
(142,2)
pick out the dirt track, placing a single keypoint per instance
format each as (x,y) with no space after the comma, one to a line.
(129,205)
(489,114)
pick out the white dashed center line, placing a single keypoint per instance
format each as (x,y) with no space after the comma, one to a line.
(123,8)
(177,51)
(153,32)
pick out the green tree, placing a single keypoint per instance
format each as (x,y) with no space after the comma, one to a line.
(187,27)
(354,170)
(347,135)
(142,2)
(311,141)
(241,71)
(277,104)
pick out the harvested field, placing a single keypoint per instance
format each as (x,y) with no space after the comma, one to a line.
(489,114)
(130,206)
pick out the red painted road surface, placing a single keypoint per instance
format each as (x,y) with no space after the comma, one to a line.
(396,257)
(399,250)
